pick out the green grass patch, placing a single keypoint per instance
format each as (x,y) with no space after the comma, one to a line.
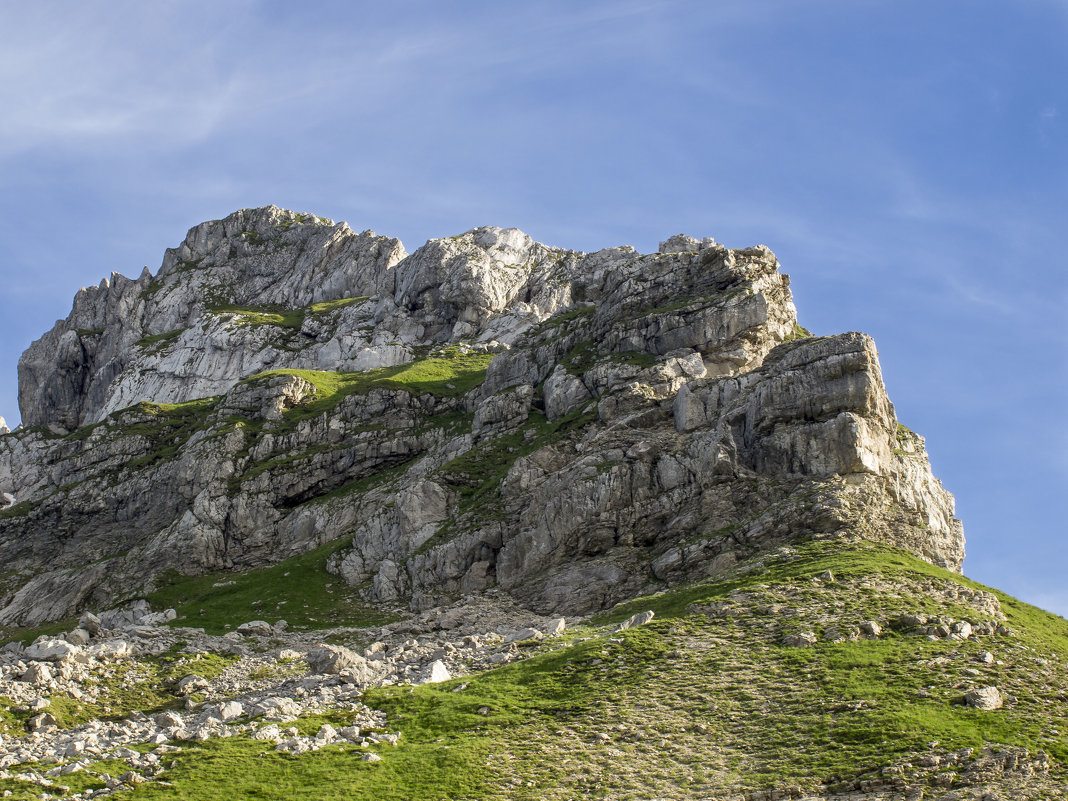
(147,685)
(331,306)
(447,747)
(450,373)
(17,509)
(798,332)
(281,316)
(690,705)
(157,342)
(278,316)
(26,635)
(297,589)
(809,559)
(168,427)
(477,474)
(365,484)
(697,302)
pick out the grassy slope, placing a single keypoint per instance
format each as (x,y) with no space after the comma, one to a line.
(704,698)
(298,590)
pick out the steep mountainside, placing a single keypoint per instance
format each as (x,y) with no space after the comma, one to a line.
(486,412)
(492,520)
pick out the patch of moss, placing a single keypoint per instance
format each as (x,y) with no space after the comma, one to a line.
(580,358)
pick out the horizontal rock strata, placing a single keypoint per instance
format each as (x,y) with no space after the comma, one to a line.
(572,428)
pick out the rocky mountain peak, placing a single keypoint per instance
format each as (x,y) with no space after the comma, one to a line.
(487,413)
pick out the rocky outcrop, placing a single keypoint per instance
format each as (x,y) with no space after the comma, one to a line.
(488,412)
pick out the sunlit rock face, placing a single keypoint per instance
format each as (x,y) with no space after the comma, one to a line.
(487,412)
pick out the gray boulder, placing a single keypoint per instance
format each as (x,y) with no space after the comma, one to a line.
(91,623)
(639,619)
(987,698)
(260,628)
(37,674)
(335,659)
(437,673)
(192,684)
(42,722)
(54,650)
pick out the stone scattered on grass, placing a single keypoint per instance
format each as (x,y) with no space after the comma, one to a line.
(871,629)
(988,698)
(255,627)
(639,619)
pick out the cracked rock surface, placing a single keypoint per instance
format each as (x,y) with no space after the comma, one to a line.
(485,413)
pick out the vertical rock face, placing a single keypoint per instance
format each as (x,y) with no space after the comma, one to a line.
(191,331)
(487,412)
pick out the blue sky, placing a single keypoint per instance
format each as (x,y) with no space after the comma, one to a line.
(907,162)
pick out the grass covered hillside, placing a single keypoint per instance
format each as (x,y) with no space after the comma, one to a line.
(825,669)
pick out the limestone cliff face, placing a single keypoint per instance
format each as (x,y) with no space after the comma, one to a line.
(573,428)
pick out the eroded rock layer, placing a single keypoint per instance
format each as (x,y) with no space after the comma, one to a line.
(486,412)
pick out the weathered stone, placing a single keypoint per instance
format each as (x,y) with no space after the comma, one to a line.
(269,733)
(437,672)
(49,650)
(277,707)
(638,619)
(90,623)
(564,393)
(988,698)
(192,684)
(911,621)
(41,722)
(259,628)
(78,637)
(870,628)
(524,634)
(37,674)
(335,659)
(229,710)
(709,410)
(800,640)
